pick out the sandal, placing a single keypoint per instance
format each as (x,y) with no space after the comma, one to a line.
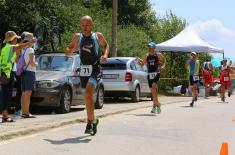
(27,116)
(7,119)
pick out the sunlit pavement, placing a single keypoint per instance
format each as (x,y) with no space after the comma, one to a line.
(178,130)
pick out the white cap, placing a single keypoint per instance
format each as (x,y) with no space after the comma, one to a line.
(194,53)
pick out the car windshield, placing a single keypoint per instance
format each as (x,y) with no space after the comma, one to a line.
(55,63)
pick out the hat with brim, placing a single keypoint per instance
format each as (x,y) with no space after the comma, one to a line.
(26,36)
(9,36)
(152,44)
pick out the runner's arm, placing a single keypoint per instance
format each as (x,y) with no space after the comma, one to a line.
(105,46)
(19,47)
(142,62)
(162,60)
(73,46)
(186,64)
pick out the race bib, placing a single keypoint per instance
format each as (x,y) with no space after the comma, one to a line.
(85,70)
(152,75)
(226,78)
(195,78)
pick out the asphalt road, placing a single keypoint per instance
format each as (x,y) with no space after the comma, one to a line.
(178,130)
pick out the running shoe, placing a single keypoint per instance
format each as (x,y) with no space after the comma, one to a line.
(94,127)
(192,104)
(223,99)
(17,113)
(154,109)
(159,110)
(91,128)
(88,128)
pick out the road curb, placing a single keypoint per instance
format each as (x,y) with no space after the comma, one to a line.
(48,126)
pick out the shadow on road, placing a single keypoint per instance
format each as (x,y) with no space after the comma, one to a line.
(142,114)
(221,102)
(186,106)
(82,139)
(119,100)
(47,111)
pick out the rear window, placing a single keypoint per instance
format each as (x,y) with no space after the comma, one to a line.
(113,66)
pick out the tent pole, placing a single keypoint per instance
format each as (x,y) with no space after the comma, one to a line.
(171,64)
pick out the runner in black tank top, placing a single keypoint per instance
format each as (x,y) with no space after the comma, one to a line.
(155,62)
(88,44)
(89,56)
(153,71)
(87,50)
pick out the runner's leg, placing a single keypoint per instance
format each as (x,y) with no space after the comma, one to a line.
(88,96)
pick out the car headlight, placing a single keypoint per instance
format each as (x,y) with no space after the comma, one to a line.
(48,84)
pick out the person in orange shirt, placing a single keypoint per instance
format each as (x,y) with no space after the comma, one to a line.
(224,80)
(207,76)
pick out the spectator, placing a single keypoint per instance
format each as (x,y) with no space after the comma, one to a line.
(18,86)
(28,77)
(8,56)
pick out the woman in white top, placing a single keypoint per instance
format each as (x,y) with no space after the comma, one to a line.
(28,77)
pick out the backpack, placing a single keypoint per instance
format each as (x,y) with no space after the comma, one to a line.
(21,65)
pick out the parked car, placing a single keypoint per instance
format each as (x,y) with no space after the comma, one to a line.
(123,76)
(58,83)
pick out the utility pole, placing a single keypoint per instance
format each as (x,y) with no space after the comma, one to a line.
(114,28)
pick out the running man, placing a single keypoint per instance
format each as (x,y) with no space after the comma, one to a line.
(224,80)
(193,65)
(155,62)
(88,44)
(207,76)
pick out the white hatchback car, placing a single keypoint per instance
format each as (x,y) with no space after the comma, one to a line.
(124,77)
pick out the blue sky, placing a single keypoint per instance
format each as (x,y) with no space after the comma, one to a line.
(214,20)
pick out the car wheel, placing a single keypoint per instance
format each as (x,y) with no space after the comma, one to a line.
(65,101)
(100,98)
(136,94)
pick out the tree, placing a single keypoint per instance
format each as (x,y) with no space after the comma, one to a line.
(138,24)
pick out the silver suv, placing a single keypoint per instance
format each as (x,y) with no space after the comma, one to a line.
(123,77)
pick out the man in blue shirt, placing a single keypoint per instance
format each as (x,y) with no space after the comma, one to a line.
(193,65)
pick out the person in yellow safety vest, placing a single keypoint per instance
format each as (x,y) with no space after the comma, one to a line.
(7,58)
(193,65)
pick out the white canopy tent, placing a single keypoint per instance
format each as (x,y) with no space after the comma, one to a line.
(188,41)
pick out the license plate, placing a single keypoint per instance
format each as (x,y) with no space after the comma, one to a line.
(110,76)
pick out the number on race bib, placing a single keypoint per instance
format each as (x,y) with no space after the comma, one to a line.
(195,78)
(85,70)
(152,75)
(226,78)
